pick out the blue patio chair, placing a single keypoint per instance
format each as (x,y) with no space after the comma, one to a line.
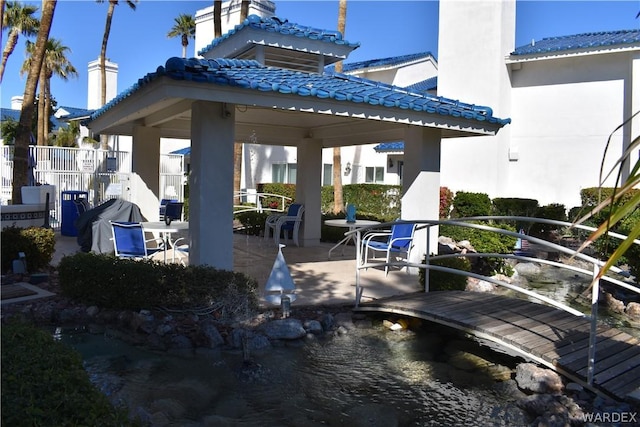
(163,206)
(287,223)
(129,241)
(173,211)
(396,242)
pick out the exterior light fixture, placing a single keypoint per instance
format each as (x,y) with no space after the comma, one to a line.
(347,169)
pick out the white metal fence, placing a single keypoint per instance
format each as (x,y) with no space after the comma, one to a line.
(103,174)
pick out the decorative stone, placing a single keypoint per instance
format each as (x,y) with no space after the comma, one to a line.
(284,329)
(633,310)
(613,304)
(313,326)
(480,286)
(528,269)
(538,380)
(92,311)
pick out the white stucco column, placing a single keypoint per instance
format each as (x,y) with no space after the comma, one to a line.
(421,185)
(145,166)
(308,189)
(211,185)
(631,105)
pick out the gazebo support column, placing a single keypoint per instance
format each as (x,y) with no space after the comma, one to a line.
(145,165)
(308,189)
(211,185)
(421,185)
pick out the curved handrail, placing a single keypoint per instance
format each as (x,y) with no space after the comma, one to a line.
(427,224)
(258,205)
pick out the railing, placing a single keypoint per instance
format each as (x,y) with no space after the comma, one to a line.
(104,174)
(463,222)
(256,202)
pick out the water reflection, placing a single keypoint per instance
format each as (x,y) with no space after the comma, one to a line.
(367,377)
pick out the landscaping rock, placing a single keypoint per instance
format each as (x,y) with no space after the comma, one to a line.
(284,329)
(533,378)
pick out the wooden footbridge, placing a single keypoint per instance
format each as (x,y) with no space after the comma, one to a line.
(601,358)
(543,334)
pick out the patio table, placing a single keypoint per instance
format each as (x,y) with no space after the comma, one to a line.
(359,223)
(165,232)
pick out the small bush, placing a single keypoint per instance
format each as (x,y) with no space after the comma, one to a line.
(471,204)
(114,283)
(253,222)
(445,281)
(38,245)
(484,242)
(44,383)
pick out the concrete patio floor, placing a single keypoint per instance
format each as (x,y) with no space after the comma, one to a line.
(319,280)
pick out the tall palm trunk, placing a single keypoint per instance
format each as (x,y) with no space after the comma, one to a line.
(9,48)
(338,200)
(217,18)
(41,106)
(47,106)
(103,67)
(21,148)
(238,146)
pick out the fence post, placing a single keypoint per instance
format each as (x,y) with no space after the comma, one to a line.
(595,291)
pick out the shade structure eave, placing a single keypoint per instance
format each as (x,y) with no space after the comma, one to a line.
(165,100)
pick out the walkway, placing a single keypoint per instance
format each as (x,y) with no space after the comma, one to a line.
(541,333)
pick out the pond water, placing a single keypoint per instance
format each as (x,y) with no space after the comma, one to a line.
(366,377)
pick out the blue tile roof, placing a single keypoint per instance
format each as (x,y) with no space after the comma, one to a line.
(276,25)
(10,114)
(184,151)
(75,113)
(424,86)
(389,146)
(381,62)
(251,75)
(606,39)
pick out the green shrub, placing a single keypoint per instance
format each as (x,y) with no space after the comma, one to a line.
(287,190)
(372,200)
(114,283)
(44,383)
(484,242)
(515,207)
(553,211)
(445,281)
(38,245)
(253,222)
(470,204)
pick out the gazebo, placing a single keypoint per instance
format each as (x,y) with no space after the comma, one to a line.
(265,79)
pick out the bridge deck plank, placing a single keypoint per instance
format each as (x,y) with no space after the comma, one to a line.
(540,331)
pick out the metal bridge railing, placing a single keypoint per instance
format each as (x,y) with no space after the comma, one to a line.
(248,201)
(362,264)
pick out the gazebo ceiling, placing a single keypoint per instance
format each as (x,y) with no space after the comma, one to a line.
(280,107)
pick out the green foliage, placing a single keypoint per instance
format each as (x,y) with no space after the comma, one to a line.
(45,384)
(110,282)
(604,246)
(445,281)
(373,200)
(470,204)
(38,245)
(446,201)
(516,207)
(553,211)
(253,222)
(484,242)
(287,190)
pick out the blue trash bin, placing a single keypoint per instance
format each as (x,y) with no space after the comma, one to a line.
(69,211)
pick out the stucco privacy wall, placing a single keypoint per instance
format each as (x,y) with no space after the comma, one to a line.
(471,67)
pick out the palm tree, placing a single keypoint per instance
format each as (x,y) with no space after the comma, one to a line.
(217,18)
(18,19)
(244,9)
(55,62)
(103,54)
(23,136)
(67,136)
(338,201)
(185,28)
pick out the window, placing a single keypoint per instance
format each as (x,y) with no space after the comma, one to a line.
(327,174)
(284,173)
(374,174)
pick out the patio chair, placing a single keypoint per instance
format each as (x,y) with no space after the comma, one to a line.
(289,222)
(173,211)
(396,242)
(163,206)
(129,241)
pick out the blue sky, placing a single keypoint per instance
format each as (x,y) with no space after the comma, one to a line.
(138,42)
